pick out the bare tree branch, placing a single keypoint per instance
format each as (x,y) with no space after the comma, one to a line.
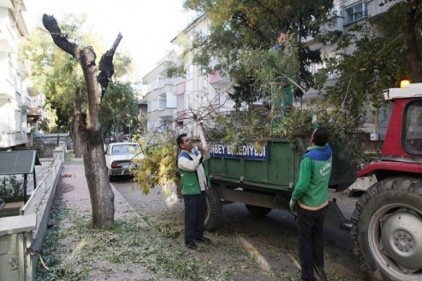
(106,65)
(59,38)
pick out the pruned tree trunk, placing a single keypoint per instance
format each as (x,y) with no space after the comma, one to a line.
(96,79)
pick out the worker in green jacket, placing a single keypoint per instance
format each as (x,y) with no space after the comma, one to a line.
(286,87)
(193,184)
(310,200)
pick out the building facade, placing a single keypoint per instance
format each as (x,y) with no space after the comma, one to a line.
(14,95)
(177,103)
(160,97)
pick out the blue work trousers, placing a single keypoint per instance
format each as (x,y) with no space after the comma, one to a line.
(195,208)
(311,243)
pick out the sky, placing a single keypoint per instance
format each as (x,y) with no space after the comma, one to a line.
(147,26)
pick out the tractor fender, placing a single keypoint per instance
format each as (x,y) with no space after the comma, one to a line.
(390,166)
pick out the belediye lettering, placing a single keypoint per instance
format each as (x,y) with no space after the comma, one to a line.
(244,150)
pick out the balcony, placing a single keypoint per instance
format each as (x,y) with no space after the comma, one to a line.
(7,91)
(335,23)
(180,116)
(33,114)
(26,103)
(355,12)
(13,139)
(8,39)
(180,88)
(167,113)
(218,81)
(5,45)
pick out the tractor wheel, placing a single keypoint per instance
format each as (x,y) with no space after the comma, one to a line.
(258,211)
(213,214)
(386,232)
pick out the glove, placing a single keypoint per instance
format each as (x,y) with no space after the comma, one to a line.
(293,205)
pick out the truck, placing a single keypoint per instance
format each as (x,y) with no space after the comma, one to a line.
(386,225)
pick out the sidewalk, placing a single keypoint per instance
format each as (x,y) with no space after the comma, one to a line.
(73,189)
(72,192)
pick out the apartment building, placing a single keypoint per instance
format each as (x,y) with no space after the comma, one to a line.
(200,95)
(14,95)
(160,97)
(176,103)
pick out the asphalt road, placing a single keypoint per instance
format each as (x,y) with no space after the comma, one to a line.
(156,202)
(275,231)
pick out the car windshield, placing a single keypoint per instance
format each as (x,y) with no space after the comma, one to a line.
(124,149)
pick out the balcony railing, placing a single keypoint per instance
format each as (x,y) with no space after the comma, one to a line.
(180,116)
(218,81)
(335,23)
(12,139)
(167,112)
(7,91)
(6,37)
(180,88)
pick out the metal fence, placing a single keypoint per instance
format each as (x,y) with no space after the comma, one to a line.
(46,143)
(12,186)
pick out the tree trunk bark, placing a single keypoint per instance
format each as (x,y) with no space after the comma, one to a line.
(412,53)
(77,121)
(102,197)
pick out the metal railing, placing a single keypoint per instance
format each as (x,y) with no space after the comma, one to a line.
(26,232)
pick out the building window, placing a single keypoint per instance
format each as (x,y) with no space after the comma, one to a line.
(149,106)
(162,104)
(356,12)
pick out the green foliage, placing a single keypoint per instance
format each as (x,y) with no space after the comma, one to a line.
(270,71)
(49,122)
(158,166)
(119,108)
(236,26)
(10,186)
(122,65)
(259,125)
(58,76)
(53,71)
(378,62)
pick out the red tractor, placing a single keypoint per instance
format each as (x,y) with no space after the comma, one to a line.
(387,221)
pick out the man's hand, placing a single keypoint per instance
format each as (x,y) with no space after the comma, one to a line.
(293,206)
(203,150)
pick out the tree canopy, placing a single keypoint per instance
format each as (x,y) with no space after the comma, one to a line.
(53,73)
(58,75)
(379,60)
(236,25)
(119,109)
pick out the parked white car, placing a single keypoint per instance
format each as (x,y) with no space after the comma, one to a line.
(118,158)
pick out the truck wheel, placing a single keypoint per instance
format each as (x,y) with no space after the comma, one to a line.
(213,214)
(386,230)
(258,211)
